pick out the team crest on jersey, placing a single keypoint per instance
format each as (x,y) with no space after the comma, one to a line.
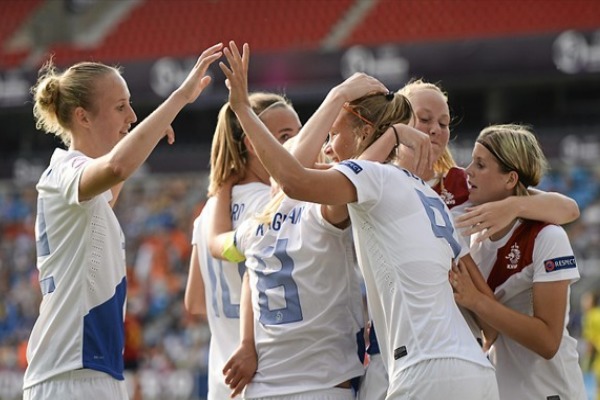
(556,264)
(513,257)
(447,197)
(352,165)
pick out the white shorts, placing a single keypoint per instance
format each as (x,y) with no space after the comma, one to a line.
(76,385)
(374,383)
(444,379)
(324,394)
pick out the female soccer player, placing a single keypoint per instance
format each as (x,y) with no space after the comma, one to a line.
(530,266)
(212,281)
(75,350)
(405,243)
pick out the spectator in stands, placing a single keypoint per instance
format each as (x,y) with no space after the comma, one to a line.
(530,266)
(75,349)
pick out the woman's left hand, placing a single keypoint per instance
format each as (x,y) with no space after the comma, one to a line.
(420,144)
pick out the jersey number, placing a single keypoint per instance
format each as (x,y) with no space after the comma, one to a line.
(230,310)
(445,231)
(276,282)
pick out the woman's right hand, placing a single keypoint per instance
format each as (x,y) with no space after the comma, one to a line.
(197,81)
(357,86)
(237,75)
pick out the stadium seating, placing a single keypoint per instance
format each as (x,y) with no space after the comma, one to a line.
(434,20)
(13,14)
(155,28)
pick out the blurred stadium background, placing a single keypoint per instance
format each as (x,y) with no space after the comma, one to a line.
(529,61)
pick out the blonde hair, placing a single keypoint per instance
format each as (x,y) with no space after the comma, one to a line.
(266,215)
(380,111)
(517,149)
(228,154)
(56,95)
(445,162)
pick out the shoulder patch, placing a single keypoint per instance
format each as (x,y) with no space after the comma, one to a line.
(556,264)
(352,165)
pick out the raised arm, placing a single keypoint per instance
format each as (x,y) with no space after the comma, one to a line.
(412,138)
(323,187)
(492,217)
(309,142)
(104,172)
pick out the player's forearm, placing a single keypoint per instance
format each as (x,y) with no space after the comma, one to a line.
(549,207)
(530,332)
(280,164)
(314,133)
(246,313)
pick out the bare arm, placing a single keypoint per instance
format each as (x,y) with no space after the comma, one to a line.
(313,134)
(412,138)
(219,221)
(541,333)
(194,300)
(322,187)
(242,365)
(492,217)
(104,172)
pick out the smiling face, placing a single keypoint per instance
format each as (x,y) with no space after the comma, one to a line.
(432,116)
(111,116)
(487,181)
(282,122)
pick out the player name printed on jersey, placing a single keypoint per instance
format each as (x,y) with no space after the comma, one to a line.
(556,264)
(279,219)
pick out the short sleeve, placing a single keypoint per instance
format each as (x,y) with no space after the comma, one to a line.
(196,230)
(553,258)
(367,177)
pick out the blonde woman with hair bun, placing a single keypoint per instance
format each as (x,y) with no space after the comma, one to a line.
(75,350)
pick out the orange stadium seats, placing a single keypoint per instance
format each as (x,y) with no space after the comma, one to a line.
(156,28)
(434,20)
(12,14)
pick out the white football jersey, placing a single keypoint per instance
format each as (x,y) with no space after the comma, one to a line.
(82,275)
(305,295)
(223,284)
(406,243)
(521,373)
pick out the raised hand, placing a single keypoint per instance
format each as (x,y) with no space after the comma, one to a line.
(237,75)
(357,86)
(196,80)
